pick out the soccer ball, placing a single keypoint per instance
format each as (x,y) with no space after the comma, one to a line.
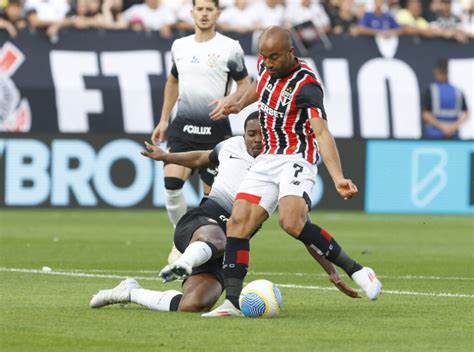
(260,298)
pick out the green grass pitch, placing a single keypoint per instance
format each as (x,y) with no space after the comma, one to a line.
(425,264)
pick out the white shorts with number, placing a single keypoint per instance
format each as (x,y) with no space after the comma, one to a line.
(273,177)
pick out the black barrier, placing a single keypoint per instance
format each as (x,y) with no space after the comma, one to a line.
(112,82)
(103,170)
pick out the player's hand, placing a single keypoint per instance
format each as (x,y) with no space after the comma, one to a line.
(346,188)
(220,104)
(342,286)
(233,108)
(153,152)
(159,133)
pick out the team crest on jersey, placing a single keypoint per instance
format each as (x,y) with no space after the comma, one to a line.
(287,94)
(15,113)
(213,60)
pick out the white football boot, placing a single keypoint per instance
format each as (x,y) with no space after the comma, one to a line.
(175,271)
(367,280)
(174,255)
(226,309)
(118,294)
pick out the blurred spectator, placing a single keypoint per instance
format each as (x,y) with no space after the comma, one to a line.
(307,10)
(44,13)
(151,15)
(269,13)
(447,25)
(378,22)
(112,14)
(344,21)
(444,106)
(185,21)
(240,17)
(468,21)
(360,8)
(11,18)
(411,20)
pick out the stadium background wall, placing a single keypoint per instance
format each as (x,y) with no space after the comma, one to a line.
(87,103)
(103,170)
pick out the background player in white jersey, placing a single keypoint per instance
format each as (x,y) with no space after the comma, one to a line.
(200,234)
(293,122)
(204,66)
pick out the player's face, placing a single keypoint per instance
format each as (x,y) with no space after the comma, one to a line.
(278,60)
(205,14)
(253,138)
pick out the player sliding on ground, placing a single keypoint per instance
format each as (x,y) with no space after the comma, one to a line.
(293,122)
(200,234)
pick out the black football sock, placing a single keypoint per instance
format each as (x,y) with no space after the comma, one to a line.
(236,261)
(323,243)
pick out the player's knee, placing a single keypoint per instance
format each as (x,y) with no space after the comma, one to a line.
(173,183)
(217,240)
(291,224)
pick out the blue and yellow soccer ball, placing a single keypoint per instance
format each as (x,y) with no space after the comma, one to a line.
(260,298)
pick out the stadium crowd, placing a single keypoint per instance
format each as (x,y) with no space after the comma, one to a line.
(449,19)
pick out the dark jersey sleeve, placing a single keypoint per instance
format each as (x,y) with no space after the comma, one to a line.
(427,101)
(236,65)
(214,156)
(310,96)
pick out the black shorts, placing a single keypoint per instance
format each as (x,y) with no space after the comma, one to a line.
(208,213)
(179,141)
(177,145)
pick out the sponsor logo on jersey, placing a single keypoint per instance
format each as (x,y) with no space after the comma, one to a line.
(195,60)
(287,95)
(272,112)
(15,114)
(201,130)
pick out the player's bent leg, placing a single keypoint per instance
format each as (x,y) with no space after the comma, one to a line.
(293,220)
(208,242)
(200,293)
(174,178)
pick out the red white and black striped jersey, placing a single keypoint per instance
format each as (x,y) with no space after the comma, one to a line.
(286,106)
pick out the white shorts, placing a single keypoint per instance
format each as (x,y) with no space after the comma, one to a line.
(273,177)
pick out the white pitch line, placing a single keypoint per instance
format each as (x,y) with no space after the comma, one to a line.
(399,277)
(321,288)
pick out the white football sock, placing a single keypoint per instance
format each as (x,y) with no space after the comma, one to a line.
(154,300)
(197,253)
(175,204)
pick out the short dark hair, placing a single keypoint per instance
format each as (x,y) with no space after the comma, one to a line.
(442,66)
(252,116)
(216,2)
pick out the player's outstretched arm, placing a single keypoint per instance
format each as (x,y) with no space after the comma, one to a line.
(345,187)
(193,160)
(170,97)
(220,103)
(250,96)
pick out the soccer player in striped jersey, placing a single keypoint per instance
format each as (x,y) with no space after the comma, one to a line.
(200,234)
(293,123)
